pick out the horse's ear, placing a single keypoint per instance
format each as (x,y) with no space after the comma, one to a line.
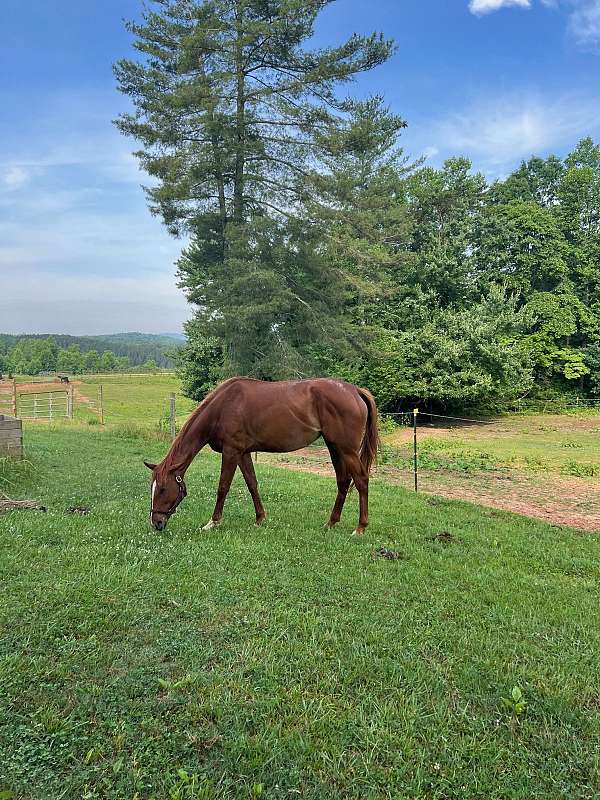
(150,466)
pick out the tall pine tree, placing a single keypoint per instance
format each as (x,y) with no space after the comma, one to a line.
(229,103)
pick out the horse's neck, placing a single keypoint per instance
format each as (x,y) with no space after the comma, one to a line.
(190,440)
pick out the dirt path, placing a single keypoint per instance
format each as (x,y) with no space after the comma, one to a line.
(560,501)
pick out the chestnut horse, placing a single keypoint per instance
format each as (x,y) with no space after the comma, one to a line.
(243,415)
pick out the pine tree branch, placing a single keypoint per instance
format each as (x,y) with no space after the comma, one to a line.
(270,158)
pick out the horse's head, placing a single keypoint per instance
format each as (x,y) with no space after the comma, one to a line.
(167,491)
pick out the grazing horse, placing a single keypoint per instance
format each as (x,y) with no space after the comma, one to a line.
(244,415)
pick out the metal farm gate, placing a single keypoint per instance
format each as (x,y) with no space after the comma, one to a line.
(45,405)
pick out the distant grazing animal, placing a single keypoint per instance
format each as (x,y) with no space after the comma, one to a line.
(243,415)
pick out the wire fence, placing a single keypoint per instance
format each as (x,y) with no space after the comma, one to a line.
(423,450)
(549,406)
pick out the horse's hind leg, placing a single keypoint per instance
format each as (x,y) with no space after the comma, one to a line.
(343,484)
(229,463)
(247,469)
(360,476)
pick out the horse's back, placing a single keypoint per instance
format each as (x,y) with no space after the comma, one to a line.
(286,415)
(338,394)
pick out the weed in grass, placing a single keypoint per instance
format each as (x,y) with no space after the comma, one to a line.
(388,425)
(516,703)
(190,787)
(433,458)
(581,469)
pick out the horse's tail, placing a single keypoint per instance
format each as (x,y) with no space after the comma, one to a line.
(370,442)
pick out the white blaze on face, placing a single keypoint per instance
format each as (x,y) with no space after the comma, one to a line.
(152,498)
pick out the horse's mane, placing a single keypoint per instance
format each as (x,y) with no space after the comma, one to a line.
(179,439)
(214,392)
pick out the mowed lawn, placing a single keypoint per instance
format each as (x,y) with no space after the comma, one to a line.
(286,661)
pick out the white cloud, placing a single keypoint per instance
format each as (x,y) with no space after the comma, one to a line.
(584,16)
(584,24)
(496,133)
(14,176)
(487,6)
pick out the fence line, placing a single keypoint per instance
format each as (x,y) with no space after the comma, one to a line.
(439,416)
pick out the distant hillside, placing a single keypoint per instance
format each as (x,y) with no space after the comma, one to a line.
(165,339)
(138,347)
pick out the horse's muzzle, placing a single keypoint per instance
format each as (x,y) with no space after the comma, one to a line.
(159,524)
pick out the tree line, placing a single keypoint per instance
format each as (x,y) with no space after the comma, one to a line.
(318,247)
(37,353)
(36,356)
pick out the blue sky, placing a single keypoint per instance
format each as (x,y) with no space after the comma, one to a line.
(495,80)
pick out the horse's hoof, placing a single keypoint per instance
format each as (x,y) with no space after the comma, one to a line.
(358,532)
(259,522)
(329,525)
(210,524)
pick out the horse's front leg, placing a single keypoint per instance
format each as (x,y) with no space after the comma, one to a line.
(247,469)
(229,462)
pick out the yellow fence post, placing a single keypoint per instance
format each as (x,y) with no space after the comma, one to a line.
(415,412)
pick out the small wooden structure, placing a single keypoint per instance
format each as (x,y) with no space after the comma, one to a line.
(8,397)
(11,437)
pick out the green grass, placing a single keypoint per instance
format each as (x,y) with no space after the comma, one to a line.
(286,661)
(558,445)
(135,399)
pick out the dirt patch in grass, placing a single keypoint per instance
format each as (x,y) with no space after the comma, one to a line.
(573,502)
(560,501)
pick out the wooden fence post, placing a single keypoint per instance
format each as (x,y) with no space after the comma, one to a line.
(172,416)
(101,404)
(70,402)
(14,397)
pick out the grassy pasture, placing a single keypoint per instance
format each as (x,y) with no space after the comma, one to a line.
(133,399)
(286,661)
(566,444)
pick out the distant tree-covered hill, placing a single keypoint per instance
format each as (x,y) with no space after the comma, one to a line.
(132,349)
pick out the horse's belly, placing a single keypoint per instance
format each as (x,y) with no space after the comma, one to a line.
(291,441)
